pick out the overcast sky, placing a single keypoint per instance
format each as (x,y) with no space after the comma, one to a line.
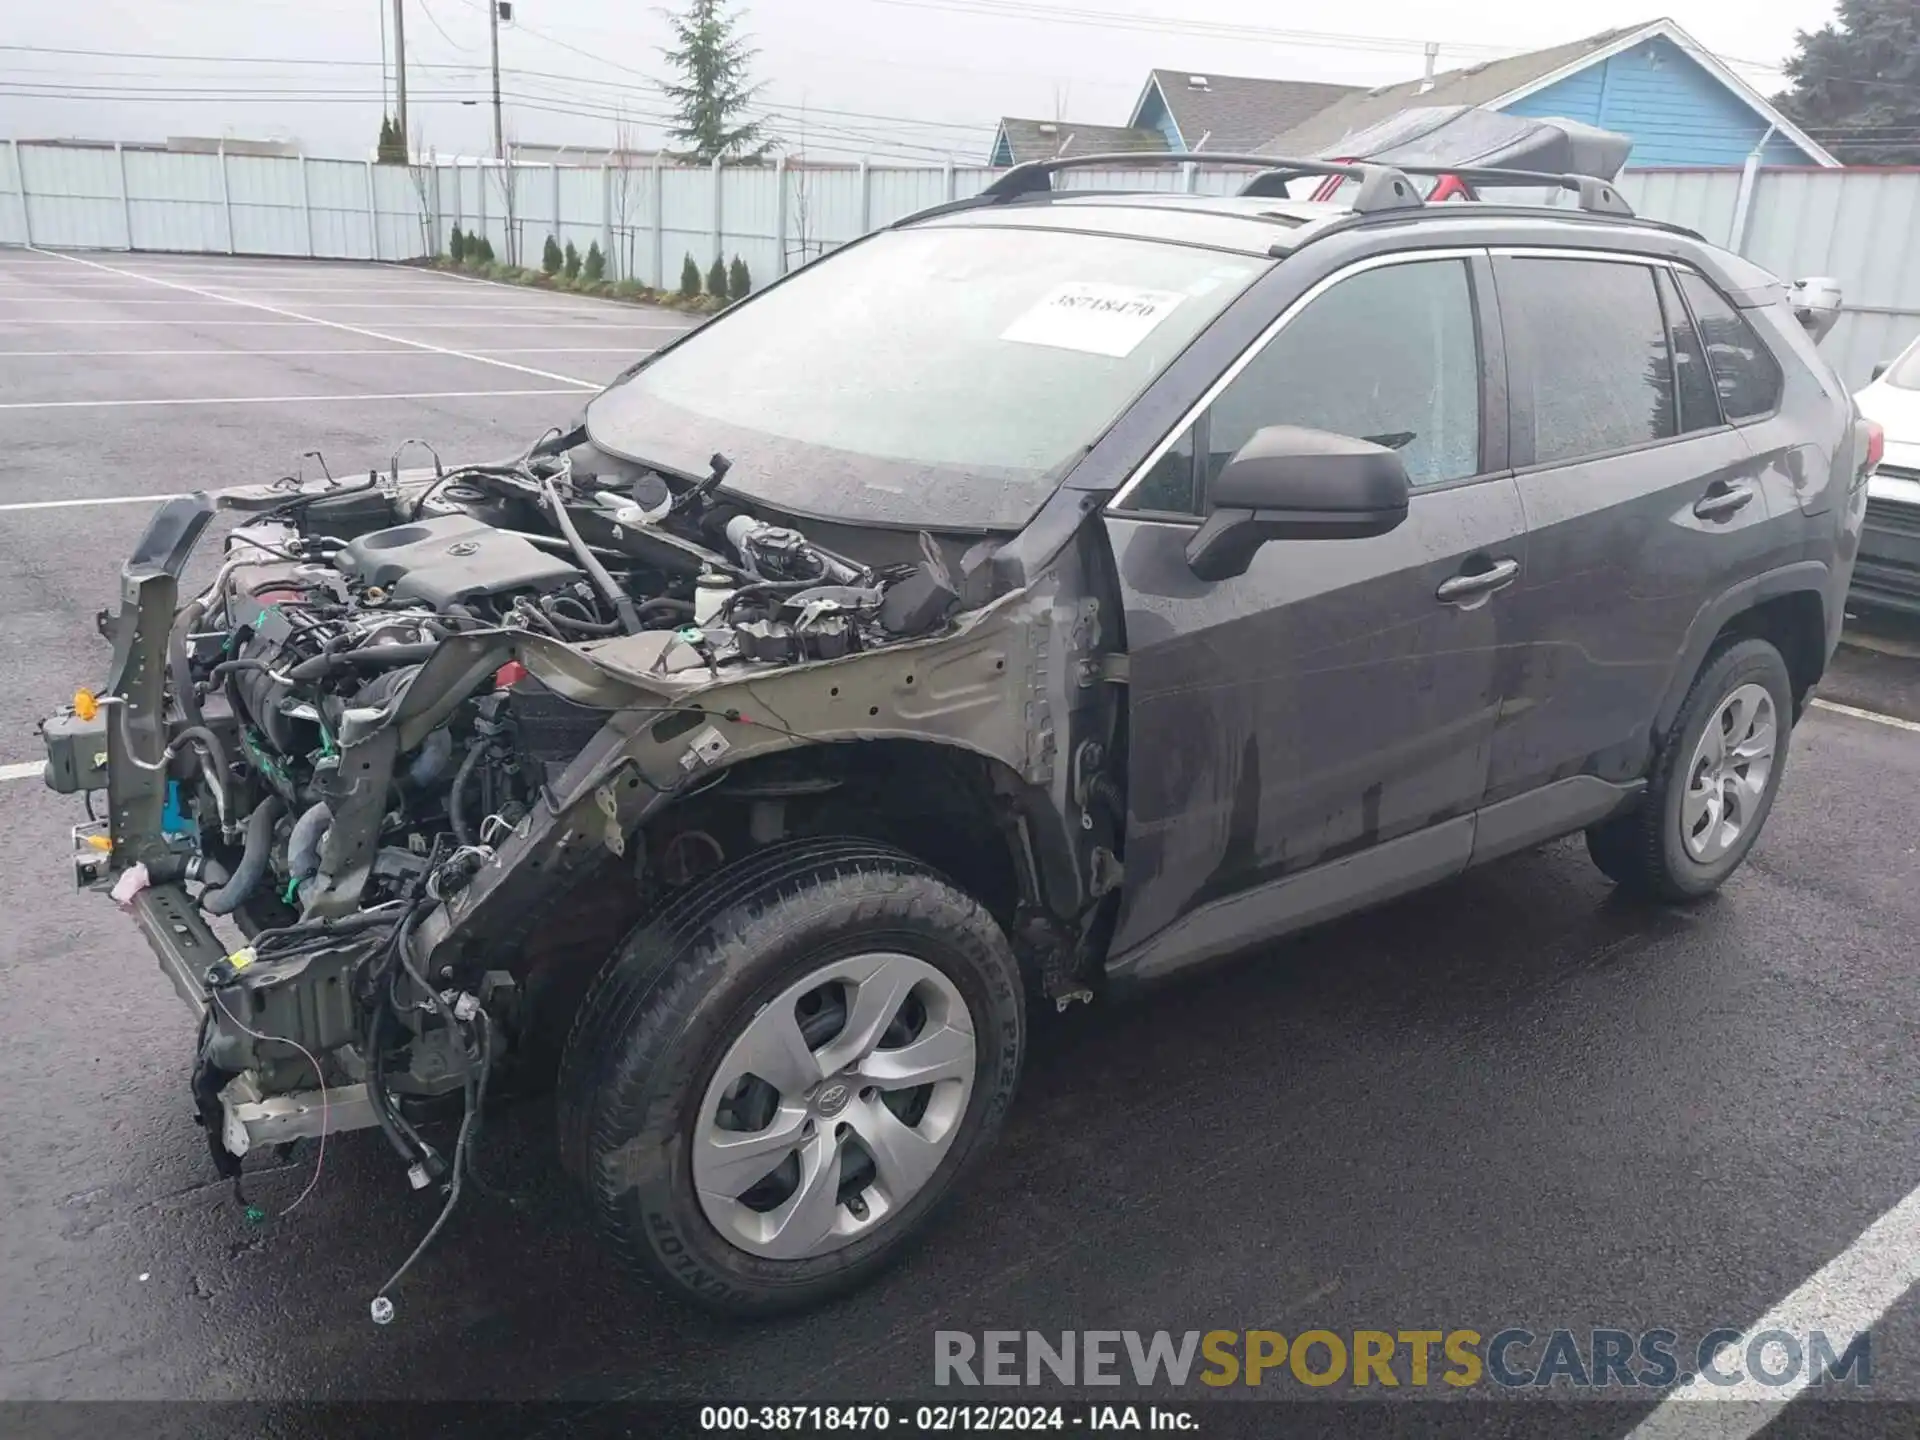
(917,78)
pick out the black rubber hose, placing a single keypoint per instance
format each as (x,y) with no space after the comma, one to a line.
(622,603)
(666,602)
(225,899)
(177,667)
(368,657)
(456,797)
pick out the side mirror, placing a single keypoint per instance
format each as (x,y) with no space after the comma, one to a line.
(1290,483)
(1880,369)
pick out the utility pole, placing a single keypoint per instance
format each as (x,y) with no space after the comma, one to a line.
(493,32)
(400,72)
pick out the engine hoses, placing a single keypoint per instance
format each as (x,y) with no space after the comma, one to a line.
(456,798)
(225,899)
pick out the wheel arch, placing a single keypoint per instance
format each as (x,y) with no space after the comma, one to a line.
(1786,607)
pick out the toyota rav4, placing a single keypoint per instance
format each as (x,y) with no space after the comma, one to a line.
(1052,591)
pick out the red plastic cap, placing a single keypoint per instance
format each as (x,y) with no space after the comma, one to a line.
(509,675)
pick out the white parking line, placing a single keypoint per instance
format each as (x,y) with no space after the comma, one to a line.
(91,500)
(424,304)
(352,350)
(606,327)
(349,329)
(1874,715)
(1842,1299)
(29,770)
(268,399)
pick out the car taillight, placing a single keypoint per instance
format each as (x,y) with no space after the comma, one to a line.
(1876,445)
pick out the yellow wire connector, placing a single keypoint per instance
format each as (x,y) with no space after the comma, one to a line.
(86,704)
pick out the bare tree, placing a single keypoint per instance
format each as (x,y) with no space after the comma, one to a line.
(623,197)
(509,200)
(426,191)
(801,180)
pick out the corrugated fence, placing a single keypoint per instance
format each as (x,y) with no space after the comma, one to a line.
(1854,224)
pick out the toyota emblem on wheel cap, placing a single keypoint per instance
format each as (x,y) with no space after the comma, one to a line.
(832,1099)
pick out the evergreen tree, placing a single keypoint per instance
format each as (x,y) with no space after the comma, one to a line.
(717,279)
(689,279)
(457,246)
(479,250)
(711,95)
(570,262)
(739,282)
(392,149)
(594,268)
(1856,83)
(550,258)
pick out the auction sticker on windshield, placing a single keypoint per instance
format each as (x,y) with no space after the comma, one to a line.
(1097,318)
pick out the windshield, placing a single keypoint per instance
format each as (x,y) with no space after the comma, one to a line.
(937,377)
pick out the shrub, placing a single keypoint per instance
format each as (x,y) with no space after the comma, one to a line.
(479,250)
(570,263)
(717,279)
(739,282)
(689,279)
(550,257)
(456,246)
(594,267)
(629,288)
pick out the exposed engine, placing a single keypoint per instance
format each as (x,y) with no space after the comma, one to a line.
(326,608)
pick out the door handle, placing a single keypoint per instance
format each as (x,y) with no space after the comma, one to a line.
(1722,499)
(1496,576)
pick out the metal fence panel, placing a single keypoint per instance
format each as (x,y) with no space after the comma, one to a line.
(73,197)
(1702,200)
(173,202)
(686,227)
(340,204)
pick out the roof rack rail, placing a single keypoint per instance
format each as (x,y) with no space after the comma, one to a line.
(1382,187)
(1595,194)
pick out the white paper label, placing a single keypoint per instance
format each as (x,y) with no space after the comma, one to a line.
(1089,316)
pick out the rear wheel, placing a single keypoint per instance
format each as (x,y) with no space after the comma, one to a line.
(776,1079)
(1713,782)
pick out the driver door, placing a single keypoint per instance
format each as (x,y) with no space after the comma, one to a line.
(1315,733)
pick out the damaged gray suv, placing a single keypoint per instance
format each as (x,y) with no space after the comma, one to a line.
(1051,591)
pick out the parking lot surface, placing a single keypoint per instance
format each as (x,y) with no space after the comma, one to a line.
(1513,1101)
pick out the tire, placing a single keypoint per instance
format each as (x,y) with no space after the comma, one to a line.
(1668,849)
(693,988)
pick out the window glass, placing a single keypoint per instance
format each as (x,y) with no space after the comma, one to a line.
(1601,374)
(1699,406)
(1744,370)
(1169,485)
(938,377)
(1388,355)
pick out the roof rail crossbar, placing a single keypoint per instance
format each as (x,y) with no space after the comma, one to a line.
(1595,194)
(1382,187)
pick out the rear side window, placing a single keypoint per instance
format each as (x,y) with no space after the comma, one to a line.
(1692,381)
(1744,370)
(1596,354)
(1388,355)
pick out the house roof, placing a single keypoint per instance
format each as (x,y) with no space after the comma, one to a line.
(1236,112)
(1499,82)
(1045,139)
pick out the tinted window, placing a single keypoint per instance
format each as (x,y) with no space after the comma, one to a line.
(1693,383)
(1387,355)
(1596,350)
(1744,370)
(934,376)
(1172,483)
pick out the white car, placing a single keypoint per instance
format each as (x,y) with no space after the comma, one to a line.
(1888,571)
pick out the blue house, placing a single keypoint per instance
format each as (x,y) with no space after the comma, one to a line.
(1655,83)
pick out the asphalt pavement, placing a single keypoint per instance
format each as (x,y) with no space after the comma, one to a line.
(1513,1101)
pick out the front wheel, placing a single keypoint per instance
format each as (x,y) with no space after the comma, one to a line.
(776,1079)
(1713,781)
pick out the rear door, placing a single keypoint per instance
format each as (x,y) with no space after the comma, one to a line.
(1340,695)
(1643,504)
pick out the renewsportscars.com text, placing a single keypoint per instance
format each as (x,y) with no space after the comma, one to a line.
(1510,1359)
